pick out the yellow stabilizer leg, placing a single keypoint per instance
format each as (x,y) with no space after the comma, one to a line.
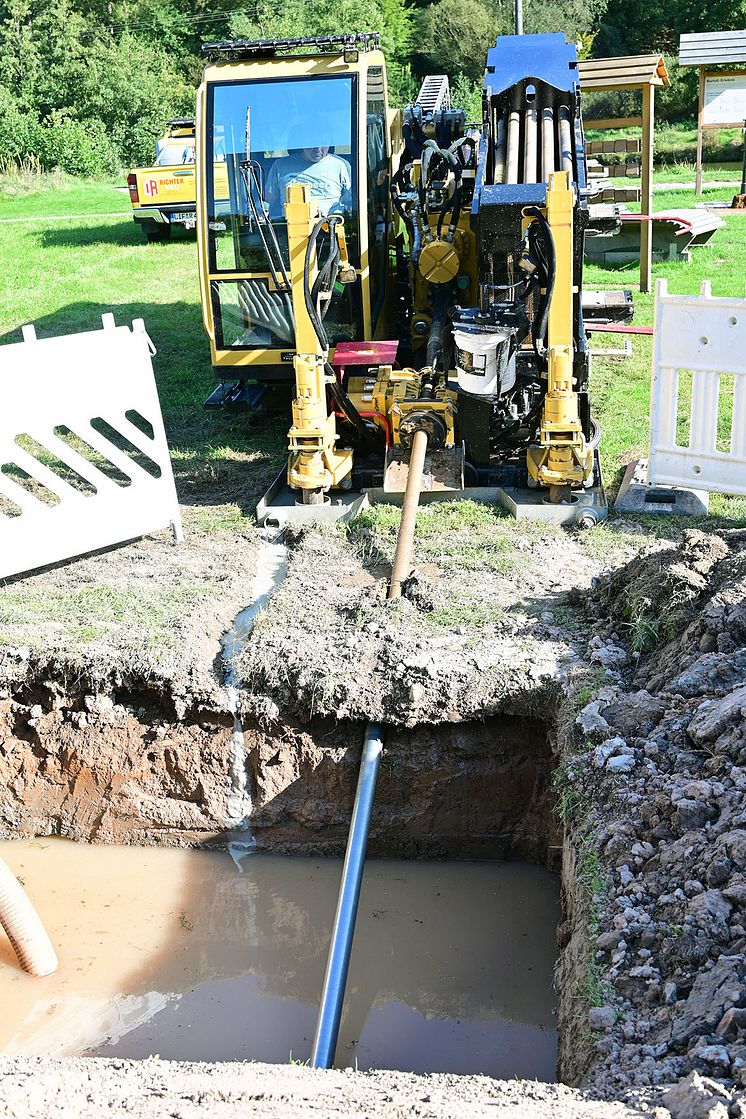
(562,459)
(314,463)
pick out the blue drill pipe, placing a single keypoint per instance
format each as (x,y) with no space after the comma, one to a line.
(338,964)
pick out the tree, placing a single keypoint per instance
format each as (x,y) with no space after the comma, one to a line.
(453,36)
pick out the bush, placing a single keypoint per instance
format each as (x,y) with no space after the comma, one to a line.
(18,130)
(80,148)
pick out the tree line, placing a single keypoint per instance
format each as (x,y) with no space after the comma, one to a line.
(86,85)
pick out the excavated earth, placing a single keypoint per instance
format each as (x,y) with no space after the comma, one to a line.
(560,698)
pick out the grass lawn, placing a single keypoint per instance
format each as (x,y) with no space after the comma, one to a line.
(677,143)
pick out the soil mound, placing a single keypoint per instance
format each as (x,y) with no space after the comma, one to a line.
(658,784)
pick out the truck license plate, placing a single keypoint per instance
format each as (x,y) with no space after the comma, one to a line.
(189,220)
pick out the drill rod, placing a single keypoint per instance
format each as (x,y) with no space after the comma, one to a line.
(338,963)
(403,554)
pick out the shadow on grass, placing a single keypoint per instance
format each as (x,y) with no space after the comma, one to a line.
(123,230)
(219,456)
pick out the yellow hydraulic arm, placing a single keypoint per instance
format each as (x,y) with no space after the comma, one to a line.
(562,459)
(315,464)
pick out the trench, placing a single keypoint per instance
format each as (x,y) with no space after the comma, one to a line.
(217,953)
(197,955)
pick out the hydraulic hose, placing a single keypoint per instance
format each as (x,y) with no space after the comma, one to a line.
(23,926)
(324,281)
(550,264)
(345,405)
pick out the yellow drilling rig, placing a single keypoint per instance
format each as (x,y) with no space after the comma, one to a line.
(415,277)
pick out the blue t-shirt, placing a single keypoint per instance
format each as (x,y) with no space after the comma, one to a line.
(329,181)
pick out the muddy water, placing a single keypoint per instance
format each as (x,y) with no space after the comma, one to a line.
(178,954)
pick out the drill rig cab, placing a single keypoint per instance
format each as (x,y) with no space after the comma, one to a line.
(260,107)
(420,274)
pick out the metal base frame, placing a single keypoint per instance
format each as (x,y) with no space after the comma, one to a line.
(279,506)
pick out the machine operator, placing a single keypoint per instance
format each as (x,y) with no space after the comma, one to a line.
(327,175)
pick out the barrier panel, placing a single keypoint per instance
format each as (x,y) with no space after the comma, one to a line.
(84,462)
(698,392)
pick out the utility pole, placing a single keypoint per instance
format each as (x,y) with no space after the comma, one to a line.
(519,17)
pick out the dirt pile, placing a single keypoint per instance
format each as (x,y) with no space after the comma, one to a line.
(474,634)
(154,1089)
(657,781)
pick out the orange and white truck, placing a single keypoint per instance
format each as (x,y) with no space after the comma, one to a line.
(164,195)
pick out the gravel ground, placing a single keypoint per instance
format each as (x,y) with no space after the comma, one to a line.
(654,795)
(87,1089)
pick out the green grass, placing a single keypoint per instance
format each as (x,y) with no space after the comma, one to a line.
(458,536)
(44,196)
(86,613)
(677,143)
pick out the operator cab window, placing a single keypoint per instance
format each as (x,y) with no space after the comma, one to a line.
(265,135)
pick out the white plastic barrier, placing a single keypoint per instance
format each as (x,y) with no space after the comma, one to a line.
(84,462)
(698,392)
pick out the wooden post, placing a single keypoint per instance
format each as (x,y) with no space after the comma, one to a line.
(646,192)
(700,125)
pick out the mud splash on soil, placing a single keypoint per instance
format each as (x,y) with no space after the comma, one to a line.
(175,953)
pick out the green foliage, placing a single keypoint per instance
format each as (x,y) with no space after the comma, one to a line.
(453,36)
(300,18)
(76,96)
(638,26)
(87,85)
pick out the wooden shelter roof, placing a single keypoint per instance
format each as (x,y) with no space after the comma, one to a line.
(627,72)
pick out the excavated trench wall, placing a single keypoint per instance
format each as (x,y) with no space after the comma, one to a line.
(123,769)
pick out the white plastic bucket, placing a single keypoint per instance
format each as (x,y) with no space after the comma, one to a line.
(477,365)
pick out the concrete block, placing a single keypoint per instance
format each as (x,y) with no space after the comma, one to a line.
(637,495)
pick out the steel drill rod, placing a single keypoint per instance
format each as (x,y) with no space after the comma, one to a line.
(403,555)
(338,963)
(565,134)
(530,145)
(547,147)
(501,144)
(514,139)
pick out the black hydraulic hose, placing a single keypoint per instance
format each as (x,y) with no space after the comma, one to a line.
(346,407)
(456,211)
(540,329)
(416,235)
(311,303)
(458,145)
(336,390)
(444,153)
